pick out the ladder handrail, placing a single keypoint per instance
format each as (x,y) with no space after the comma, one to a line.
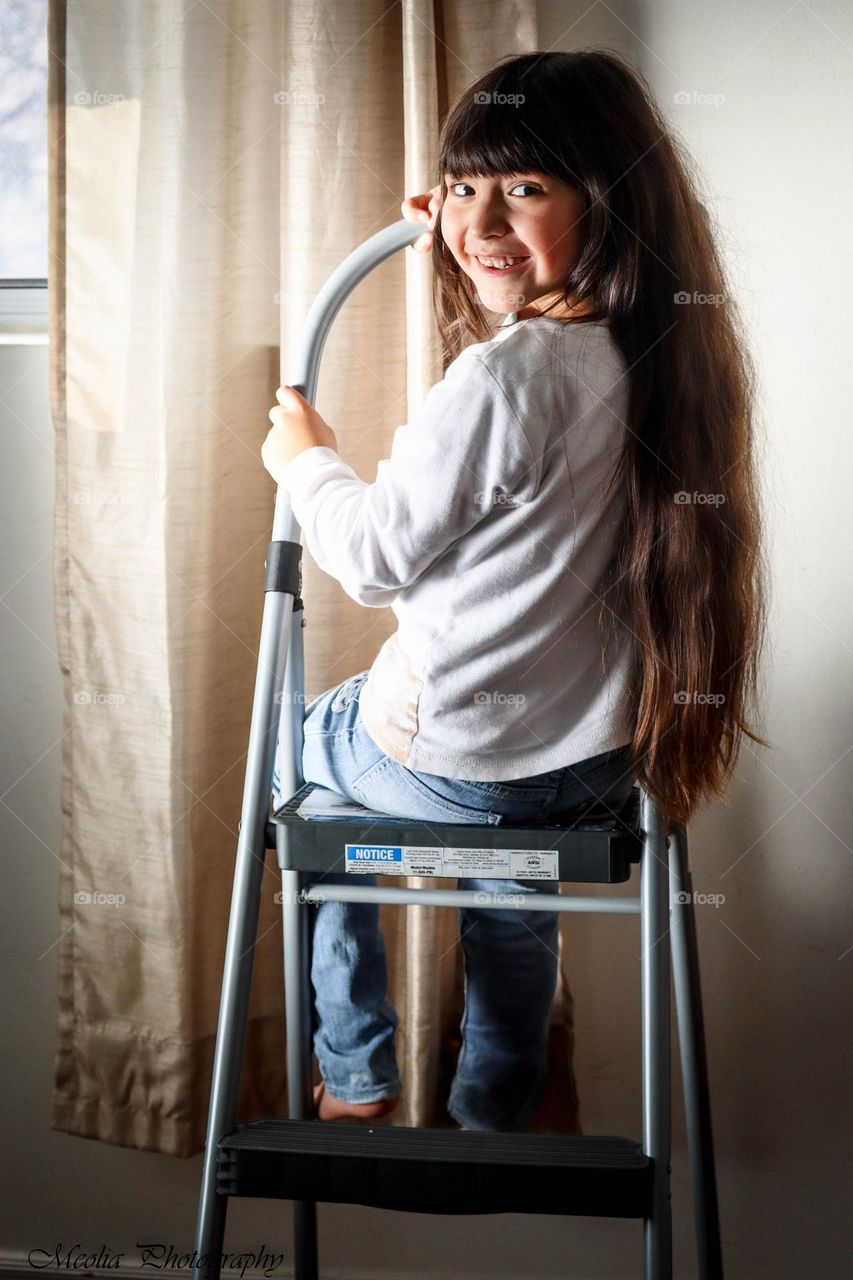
(278,688)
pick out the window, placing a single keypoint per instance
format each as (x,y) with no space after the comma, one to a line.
(23,170)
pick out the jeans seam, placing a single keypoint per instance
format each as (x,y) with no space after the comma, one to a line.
(392,1090)
(332,733)
(464,1021)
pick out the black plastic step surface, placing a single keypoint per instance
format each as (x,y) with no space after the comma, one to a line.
(436,1170)
(596,848)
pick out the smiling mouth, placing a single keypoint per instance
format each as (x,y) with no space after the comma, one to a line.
(501,264)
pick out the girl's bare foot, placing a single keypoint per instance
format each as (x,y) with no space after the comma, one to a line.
(327,1107)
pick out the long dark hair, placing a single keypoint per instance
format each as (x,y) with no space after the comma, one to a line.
(689,571)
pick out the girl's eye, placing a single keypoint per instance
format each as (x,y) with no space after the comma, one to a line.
(529,185)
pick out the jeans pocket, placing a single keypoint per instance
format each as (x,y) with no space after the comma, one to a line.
(615,769)
(517,800)
(392,788)
(603,781)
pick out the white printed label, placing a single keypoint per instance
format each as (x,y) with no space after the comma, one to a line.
(424,860)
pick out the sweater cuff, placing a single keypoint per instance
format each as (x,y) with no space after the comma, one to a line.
(306,464)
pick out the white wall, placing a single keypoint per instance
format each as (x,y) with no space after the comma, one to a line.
(777,957)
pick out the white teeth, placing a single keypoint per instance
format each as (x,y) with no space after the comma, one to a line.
(501,263)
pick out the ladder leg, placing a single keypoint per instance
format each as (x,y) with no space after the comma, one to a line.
(278,615)
(228,1055)
(655,969)
(298,1020)
(694,1062)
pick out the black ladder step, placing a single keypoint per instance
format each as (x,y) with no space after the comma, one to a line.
(436,1170)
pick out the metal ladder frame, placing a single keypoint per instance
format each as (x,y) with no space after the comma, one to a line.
(665,904)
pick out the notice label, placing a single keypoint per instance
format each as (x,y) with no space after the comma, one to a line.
(425,860)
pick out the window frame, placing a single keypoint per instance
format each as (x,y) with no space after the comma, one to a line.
(24,310)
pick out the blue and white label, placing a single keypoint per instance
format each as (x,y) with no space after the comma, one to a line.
(425,860)
(383,853)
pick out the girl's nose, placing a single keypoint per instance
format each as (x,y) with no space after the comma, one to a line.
(485,226)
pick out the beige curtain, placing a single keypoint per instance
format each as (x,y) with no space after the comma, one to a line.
(210,164)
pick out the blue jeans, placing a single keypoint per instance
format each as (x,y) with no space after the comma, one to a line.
(510,957)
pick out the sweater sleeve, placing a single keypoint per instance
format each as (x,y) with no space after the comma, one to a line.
(377,539)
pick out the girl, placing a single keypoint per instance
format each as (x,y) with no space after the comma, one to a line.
(567,533)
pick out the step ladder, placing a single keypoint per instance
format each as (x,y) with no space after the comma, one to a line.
(307,1161)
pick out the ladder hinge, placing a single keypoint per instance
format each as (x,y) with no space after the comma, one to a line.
(283,567)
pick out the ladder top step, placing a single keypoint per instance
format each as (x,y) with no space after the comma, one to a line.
(598,847)
(436,1170)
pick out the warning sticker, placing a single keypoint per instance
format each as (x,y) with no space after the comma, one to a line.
(424,860)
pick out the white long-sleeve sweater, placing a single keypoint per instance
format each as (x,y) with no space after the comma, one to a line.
(489,533)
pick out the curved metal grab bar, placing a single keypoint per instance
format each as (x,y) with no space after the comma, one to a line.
(278,696)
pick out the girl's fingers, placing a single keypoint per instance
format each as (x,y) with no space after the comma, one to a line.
(423,208)
(414,212)
(420,208)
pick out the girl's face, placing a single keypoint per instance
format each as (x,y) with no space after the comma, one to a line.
(530,216)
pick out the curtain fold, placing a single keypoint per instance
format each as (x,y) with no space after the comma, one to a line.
(210,165)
